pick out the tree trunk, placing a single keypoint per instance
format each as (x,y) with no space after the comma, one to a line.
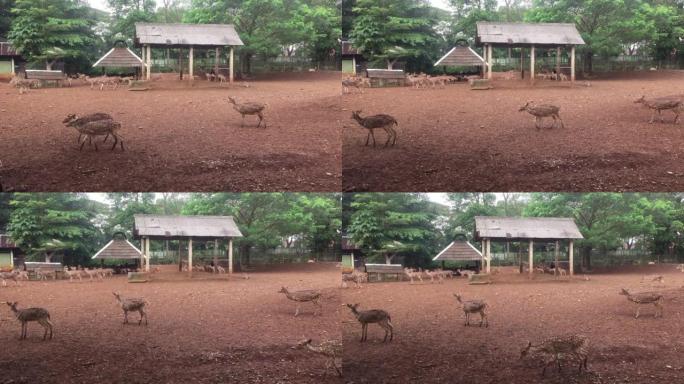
(48,65)
(588,65)
(48,257)
(388,258)
(585,264)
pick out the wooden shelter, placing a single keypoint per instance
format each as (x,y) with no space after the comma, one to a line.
(119,249)
(529,229)
(462,56)
(459,250)
(120,57)
(203,228)
(529,35)
(8,58)
(351,57)
(8,251)
(207,36)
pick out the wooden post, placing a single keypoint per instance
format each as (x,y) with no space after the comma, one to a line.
(216,60)
(522,63)
(531,258)
(180,63)
(147,254)
(148,58)
(191,64)
(230,255)
(571,264)
(556,253)
(532,64)
(232,73)
(12,66)
(489,62)
(142,70)
(489,256)
(558,63)
(180,258)
(572,73)
(190,257)
(142,252)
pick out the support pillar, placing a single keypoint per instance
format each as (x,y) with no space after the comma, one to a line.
(522,63)
(489,61)
(147,254)
(532,64)
(232,72)
(143,69)
(216,60)
(489,256)
(558,63)
(230,255)
(572,74)
(571,265)
(191,69)
(142,253)
(190,257)
(556,253)
(12,68)
(530,259)
(148,60)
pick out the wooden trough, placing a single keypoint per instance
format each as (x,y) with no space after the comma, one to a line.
(386,77)
(480,84)
(138,277)
(479,279)
(384,269)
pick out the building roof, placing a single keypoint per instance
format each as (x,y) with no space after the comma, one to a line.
(185,226)
(212,35)
(546,228)
(348,49)
(7,243)
(118,248)
(119,57)
(461,56)
(459,250)
(348,244)
(528,33)
(7,49)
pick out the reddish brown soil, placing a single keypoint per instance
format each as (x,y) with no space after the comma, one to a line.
(456,139)
(204,330)
(177,138)
(431,344)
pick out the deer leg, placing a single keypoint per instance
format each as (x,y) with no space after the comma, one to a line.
(121,145)
(660,115)
(116,141)
(536,122)
(636,316)
(243,120)
(652,117)
(297,310)
(82,143)
(676,115)
(106,137)
(142,314)
(363,331)
(373,135)
(125,317)
(384,326)
(389,135)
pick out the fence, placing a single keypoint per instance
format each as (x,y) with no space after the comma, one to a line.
(257,256)
(598,258)
(257,65)
(599,64)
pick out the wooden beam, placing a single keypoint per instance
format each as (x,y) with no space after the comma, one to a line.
(147,254)
(531,258)
(556,253)
(148,58)
(232,72)
(532,64)
(191,64)
(190,257)
(489,62)
(572,70)
(12,66)
(558,63)
(217,56)
(230,255)
(571,264)
(489,256)
(522,63)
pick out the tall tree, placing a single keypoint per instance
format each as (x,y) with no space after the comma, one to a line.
(51,30)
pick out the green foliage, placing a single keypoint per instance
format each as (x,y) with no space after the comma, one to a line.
(386,225)
(390,30)
(46,223)
(5,16)
(50,30)
(126,13)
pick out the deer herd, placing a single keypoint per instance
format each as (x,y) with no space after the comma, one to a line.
(540,111)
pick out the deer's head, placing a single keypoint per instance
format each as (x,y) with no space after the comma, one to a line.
(524,107)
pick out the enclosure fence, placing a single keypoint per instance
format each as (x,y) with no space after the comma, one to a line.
(257,256)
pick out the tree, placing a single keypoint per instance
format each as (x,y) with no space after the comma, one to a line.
(5,16)
(126,205)
(394,29)
(46,223)
(394,224)
(128,12)
(47,31)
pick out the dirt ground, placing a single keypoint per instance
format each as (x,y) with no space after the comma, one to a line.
(177,137)
(457,139)
(204,330)
(431,344)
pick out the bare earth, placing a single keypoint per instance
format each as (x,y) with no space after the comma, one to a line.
(457,139)
(177,137)
(204,330)
(431,344)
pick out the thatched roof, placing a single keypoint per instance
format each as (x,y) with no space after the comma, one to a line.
(208,35)
(461,56)
(459,250)
(528,33)
(119,57)
(185,226)
(517,228)
(118,248)
(7,49)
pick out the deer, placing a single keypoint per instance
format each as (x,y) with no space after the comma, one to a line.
(249,108)
(645,298)
(381,121)
(553,349)
(331,349)
(40,315)
(473,306)
(659,104)
(379,316)
(302,297)
(132,304)
(541,111)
